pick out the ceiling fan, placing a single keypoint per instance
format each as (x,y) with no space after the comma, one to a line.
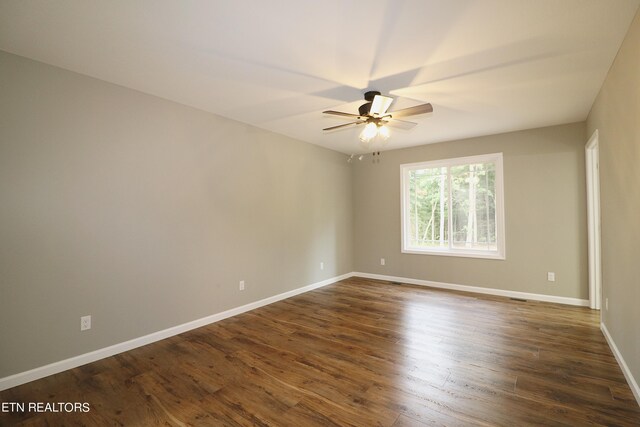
(374,115)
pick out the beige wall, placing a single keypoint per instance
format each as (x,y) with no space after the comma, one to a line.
(545,209)
(616,116)
(145,214)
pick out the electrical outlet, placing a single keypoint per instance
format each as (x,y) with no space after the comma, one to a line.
(241,285)
(382,261)
(322,266)
(606,304)
(85,323)
(551,276)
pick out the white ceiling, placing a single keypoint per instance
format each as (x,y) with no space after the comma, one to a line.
(487,66)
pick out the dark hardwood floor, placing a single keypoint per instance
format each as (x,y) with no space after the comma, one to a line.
(358,353)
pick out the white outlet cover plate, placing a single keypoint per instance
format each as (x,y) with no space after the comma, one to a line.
(85,323)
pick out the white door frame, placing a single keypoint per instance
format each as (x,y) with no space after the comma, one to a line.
(592,155)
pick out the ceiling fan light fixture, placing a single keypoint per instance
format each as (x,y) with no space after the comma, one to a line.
(383,132)
(375,116)
(369,132)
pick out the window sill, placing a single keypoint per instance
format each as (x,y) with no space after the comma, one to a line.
(462,254)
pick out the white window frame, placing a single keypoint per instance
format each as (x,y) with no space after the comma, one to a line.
(495,158)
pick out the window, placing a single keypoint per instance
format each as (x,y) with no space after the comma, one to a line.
(454,207)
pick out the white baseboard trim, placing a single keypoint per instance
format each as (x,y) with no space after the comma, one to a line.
(623,365)
(478,290)
(83,359)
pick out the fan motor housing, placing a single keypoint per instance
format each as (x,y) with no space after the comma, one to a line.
(364,109)
(368,96)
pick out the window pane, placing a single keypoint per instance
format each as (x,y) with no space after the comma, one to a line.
(454,207)
(473,206)
(428,208)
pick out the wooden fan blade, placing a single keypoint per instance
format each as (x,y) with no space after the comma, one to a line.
(401,124)
(343,126)
(380,105)
(340,113)
(412,111)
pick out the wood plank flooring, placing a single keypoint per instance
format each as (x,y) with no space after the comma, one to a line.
(358,353)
